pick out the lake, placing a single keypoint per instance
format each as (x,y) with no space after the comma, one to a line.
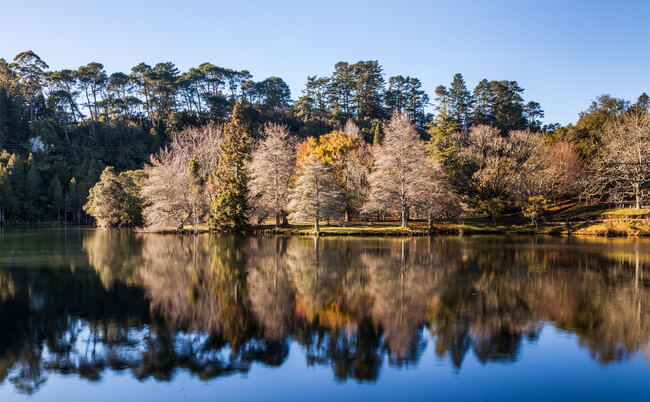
(120,316)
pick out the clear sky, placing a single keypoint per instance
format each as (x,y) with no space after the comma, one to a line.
(564,53)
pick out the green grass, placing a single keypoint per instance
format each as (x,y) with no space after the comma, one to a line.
(642,213)
(566,218)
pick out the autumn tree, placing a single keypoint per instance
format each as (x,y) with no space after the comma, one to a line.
(435,199)
(229,184)
(350,159)
(625,166)
(316,195)
(272,163)
(174,188)
(395,179)
(564,171)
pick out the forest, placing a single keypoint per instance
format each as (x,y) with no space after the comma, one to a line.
(161,148)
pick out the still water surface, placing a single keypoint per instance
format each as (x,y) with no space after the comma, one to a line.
(117,316)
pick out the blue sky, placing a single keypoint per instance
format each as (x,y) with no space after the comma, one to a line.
(564,53)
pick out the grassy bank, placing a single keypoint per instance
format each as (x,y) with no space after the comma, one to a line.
(565,219)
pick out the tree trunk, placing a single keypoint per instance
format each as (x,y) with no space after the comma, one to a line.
(316,226)
(405,217)
(429,222)
(65,131)
(277,220)
(637,198)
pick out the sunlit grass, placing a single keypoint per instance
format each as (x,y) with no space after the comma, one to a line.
(566,218)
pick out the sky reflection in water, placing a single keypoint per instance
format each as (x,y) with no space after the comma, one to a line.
(113,315)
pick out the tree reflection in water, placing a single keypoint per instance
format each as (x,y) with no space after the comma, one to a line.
(214,305)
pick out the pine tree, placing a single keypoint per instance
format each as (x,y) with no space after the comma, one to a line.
(482,99)
(229,184)
(460,102)
(441,145)
(377,137)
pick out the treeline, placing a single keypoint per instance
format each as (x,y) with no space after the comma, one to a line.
(225,179)
(60,129)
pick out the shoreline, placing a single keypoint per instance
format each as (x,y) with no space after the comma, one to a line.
(616,227)
(613,228)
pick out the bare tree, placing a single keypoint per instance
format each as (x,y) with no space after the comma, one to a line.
(564,172)
(317,195)
(512,170)
(166,191)
(435,199)
(173,189)
(625,166)
(482,157)
(351,128)
(272,164)
(528,166)
(356,166)
(396,181)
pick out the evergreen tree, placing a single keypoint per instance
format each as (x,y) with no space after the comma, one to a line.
(115,199)
(642,103)
(442,98)
(55,191)
(377,134)
(482,100)
(460,102)
(441,144)
(16,168)
(229,184)
(368,94)
(533,113)
(106,199)
(7,201)
(34,186)
(342,91)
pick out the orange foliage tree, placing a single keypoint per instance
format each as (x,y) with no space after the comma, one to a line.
(350,159)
